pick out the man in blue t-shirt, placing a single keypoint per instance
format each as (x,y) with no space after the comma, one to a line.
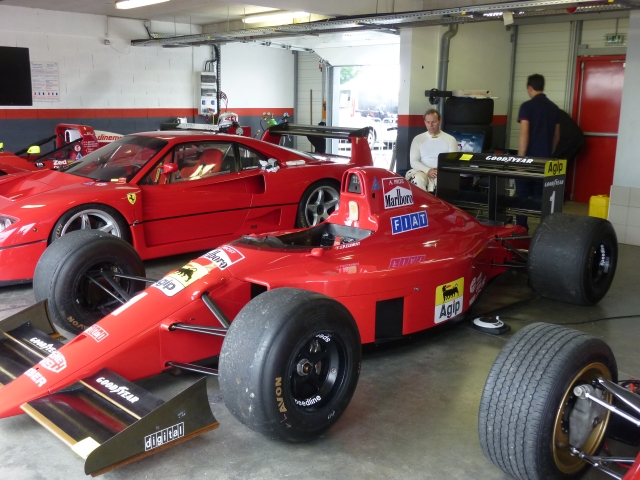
(539,120)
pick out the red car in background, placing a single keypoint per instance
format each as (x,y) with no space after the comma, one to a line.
(173,192)
(71,142)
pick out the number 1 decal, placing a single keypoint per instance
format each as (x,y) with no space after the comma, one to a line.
(553,201)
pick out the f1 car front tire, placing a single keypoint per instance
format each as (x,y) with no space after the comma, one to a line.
(524,418)
(319,201)
(63,274)
(573,258)
(290,363)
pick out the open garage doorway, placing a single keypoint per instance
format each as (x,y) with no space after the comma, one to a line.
(367,96)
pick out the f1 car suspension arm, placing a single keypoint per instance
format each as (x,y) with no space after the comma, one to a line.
(593,461)
(512,249)
(193,368)
(581,392)
(215,309)
(218,332)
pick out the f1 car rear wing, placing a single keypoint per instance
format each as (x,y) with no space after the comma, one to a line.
(104,418)
(494,197)
(360,151)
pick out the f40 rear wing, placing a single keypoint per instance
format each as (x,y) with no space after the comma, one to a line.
(494,196)
(360,150)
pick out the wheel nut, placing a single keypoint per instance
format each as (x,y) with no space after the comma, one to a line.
(334,370)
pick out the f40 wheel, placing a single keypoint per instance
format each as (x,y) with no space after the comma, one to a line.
(71,275)
(526,407)
(319,201)
(91,217)
(573,258)
(290,363)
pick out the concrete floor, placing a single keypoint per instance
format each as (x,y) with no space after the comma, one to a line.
(414,413)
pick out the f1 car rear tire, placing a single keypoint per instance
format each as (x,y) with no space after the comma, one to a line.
(319,201)
(528,396)
(290,363)
(75,302)
(92,216)
(573,258)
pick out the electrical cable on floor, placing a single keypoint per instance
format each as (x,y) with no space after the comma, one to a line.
(576,323)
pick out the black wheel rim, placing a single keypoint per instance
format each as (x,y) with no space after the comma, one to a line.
(95,302)
(602,263)
(317,371)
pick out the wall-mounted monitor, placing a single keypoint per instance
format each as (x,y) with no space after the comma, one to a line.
(15,80)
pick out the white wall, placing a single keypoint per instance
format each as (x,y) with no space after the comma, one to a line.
(94,75)
(255,76)
(308,111)
(479,59)
(624,211)
(593,31)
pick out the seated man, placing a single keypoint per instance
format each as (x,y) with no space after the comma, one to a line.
(425,149)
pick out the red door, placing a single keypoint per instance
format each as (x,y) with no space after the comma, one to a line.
(598,96)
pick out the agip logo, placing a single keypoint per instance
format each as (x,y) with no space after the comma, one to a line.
(449,298)
(396,192)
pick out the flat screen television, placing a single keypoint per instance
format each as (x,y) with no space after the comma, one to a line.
(15,80)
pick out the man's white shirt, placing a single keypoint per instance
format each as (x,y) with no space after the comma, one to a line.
(426,148)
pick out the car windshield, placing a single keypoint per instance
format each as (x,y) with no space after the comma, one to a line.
(119,160)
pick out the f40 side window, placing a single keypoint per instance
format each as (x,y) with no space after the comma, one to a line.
(250,159)
(203,159)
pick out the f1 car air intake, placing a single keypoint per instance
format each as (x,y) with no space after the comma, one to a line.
(286,314)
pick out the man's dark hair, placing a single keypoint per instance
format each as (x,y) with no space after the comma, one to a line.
(536,81)
(432,111)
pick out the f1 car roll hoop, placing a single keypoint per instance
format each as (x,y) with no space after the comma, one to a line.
(298,305)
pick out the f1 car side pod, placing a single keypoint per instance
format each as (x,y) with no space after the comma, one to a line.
(104,418)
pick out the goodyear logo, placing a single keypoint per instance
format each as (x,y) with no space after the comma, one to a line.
(555,167)
(449,298)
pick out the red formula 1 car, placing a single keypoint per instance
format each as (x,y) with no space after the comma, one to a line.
(71,143)
(286,313)
(551,400)
(172,192)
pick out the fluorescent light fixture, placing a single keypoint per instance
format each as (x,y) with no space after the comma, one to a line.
(127,4)
(275,17)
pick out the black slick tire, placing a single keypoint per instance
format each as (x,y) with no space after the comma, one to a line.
(290,363)
(526,394)
(573,258)
(75,303)
(326,184)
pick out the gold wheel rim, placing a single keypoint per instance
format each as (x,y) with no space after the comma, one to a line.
(566,462)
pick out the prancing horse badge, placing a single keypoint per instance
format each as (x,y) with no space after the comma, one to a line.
(132,198)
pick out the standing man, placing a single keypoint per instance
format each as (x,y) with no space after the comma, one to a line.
(425,149)
(539,120)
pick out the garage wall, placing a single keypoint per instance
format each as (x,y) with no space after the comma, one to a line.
(308,111)
(257,79)
(110,87)
(593,31)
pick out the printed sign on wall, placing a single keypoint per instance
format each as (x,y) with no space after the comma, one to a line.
(45,86)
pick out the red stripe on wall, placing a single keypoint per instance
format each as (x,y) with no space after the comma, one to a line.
(33,113)
(410,121)
(416,120)
(28,113)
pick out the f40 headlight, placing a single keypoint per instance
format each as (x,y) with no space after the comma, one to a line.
(6,222)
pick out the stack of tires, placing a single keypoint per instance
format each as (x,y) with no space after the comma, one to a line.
(470,115)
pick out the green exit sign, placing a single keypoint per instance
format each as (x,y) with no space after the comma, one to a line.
(613,39)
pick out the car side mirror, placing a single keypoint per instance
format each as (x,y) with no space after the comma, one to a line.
(34,150)
(168,168)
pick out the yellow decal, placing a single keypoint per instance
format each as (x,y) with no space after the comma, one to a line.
(466,156)
(555,167)
(449,298)
(188,274)
(132,198)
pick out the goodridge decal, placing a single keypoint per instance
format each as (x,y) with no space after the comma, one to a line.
(396,192)
(180,279)
(224,256)
(449,298)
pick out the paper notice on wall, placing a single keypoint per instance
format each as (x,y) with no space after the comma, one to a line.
(45,86)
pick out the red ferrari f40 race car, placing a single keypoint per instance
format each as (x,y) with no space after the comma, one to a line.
(285,314)
(172,192)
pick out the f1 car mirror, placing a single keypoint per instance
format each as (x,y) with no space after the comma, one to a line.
(168,168)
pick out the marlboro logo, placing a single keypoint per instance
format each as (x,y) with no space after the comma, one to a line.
(396,192)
